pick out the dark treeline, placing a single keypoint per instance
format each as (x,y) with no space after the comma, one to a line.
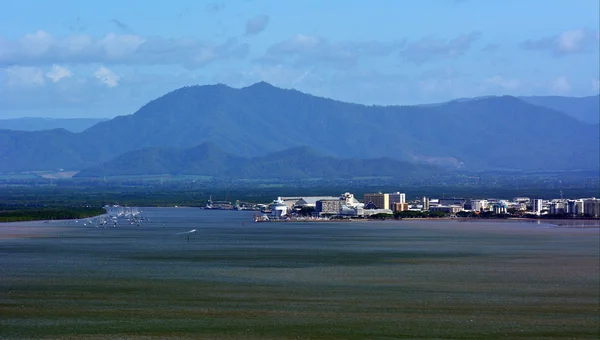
(31,214)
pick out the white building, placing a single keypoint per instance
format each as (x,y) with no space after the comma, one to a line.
(479,205)
(537,206)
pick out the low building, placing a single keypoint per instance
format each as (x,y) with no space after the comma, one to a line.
(329,206)
(452,201)
(449,209)
(479,205)
(400,207)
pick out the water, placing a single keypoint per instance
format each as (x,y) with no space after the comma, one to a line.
(235,278)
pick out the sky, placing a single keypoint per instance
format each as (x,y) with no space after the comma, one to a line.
(106,58)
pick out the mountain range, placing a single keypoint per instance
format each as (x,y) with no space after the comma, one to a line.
(486,133)
(39,123)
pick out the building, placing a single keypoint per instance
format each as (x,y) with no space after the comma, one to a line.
(591,207)
(400,207)
(349,200)
(450,209)
(329,206)
(479,205)
(499,208)
(452,201)
(425,203)
(396,197)
(537,206)
(556,208)
(381,201)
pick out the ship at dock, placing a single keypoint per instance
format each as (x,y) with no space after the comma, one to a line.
(218,205)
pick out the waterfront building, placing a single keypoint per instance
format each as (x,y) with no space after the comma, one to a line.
(396,197)
(400,207)
(499,208)
(450,209)
(479,205)
(591,207)
(537,206)
(381,201)
(452,201)
(329,206)
(425,203)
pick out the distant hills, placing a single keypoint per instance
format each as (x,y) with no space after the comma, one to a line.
(38,124)
(295,163)
(252,122)
(584,109)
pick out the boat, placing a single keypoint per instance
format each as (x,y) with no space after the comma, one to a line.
(218,205)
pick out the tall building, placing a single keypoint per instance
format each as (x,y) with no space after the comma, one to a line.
(537,206)
(381,201)
(425,203)
(591,207)
(396,197)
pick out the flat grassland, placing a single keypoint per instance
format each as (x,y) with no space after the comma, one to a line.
(235,279)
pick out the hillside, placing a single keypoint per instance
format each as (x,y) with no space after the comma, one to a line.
(39,123)
(585,109)
(488,133)
(208,160)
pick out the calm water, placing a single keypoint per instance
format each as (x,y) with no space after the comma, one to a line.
(273,279)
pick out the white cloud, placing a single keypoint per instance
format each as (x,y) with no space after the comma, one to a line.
(596,85)
(41,48)
(567,42)
(107,77)
(58,72)
(19,76)
(560,85)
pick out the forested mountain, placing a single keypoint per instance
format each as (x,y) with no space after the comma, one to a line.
(488,133)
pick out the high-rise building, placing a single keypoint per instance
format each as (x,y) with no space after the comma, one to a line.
(591,207)
(381,201)
(537,206)
(396,197)
(425,203)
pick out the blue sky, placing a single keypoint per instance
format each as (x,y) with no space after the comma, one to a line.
(108,58)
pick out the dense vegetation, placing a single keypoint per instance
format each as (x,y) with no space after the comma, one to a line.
(55,213)
(296,163)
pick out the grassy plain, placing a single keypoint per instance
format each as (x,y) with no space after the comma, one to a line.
(235,279)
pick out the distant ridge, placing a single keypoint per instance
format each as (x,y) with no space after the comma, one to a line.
(489,133)
(584,109)
(40,123)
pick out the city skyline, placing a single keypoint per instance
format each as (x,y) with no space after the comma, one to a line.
(70,59)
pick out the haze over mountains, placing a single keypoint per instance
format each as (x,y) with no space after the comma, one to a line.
(39,123)
(485,133)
